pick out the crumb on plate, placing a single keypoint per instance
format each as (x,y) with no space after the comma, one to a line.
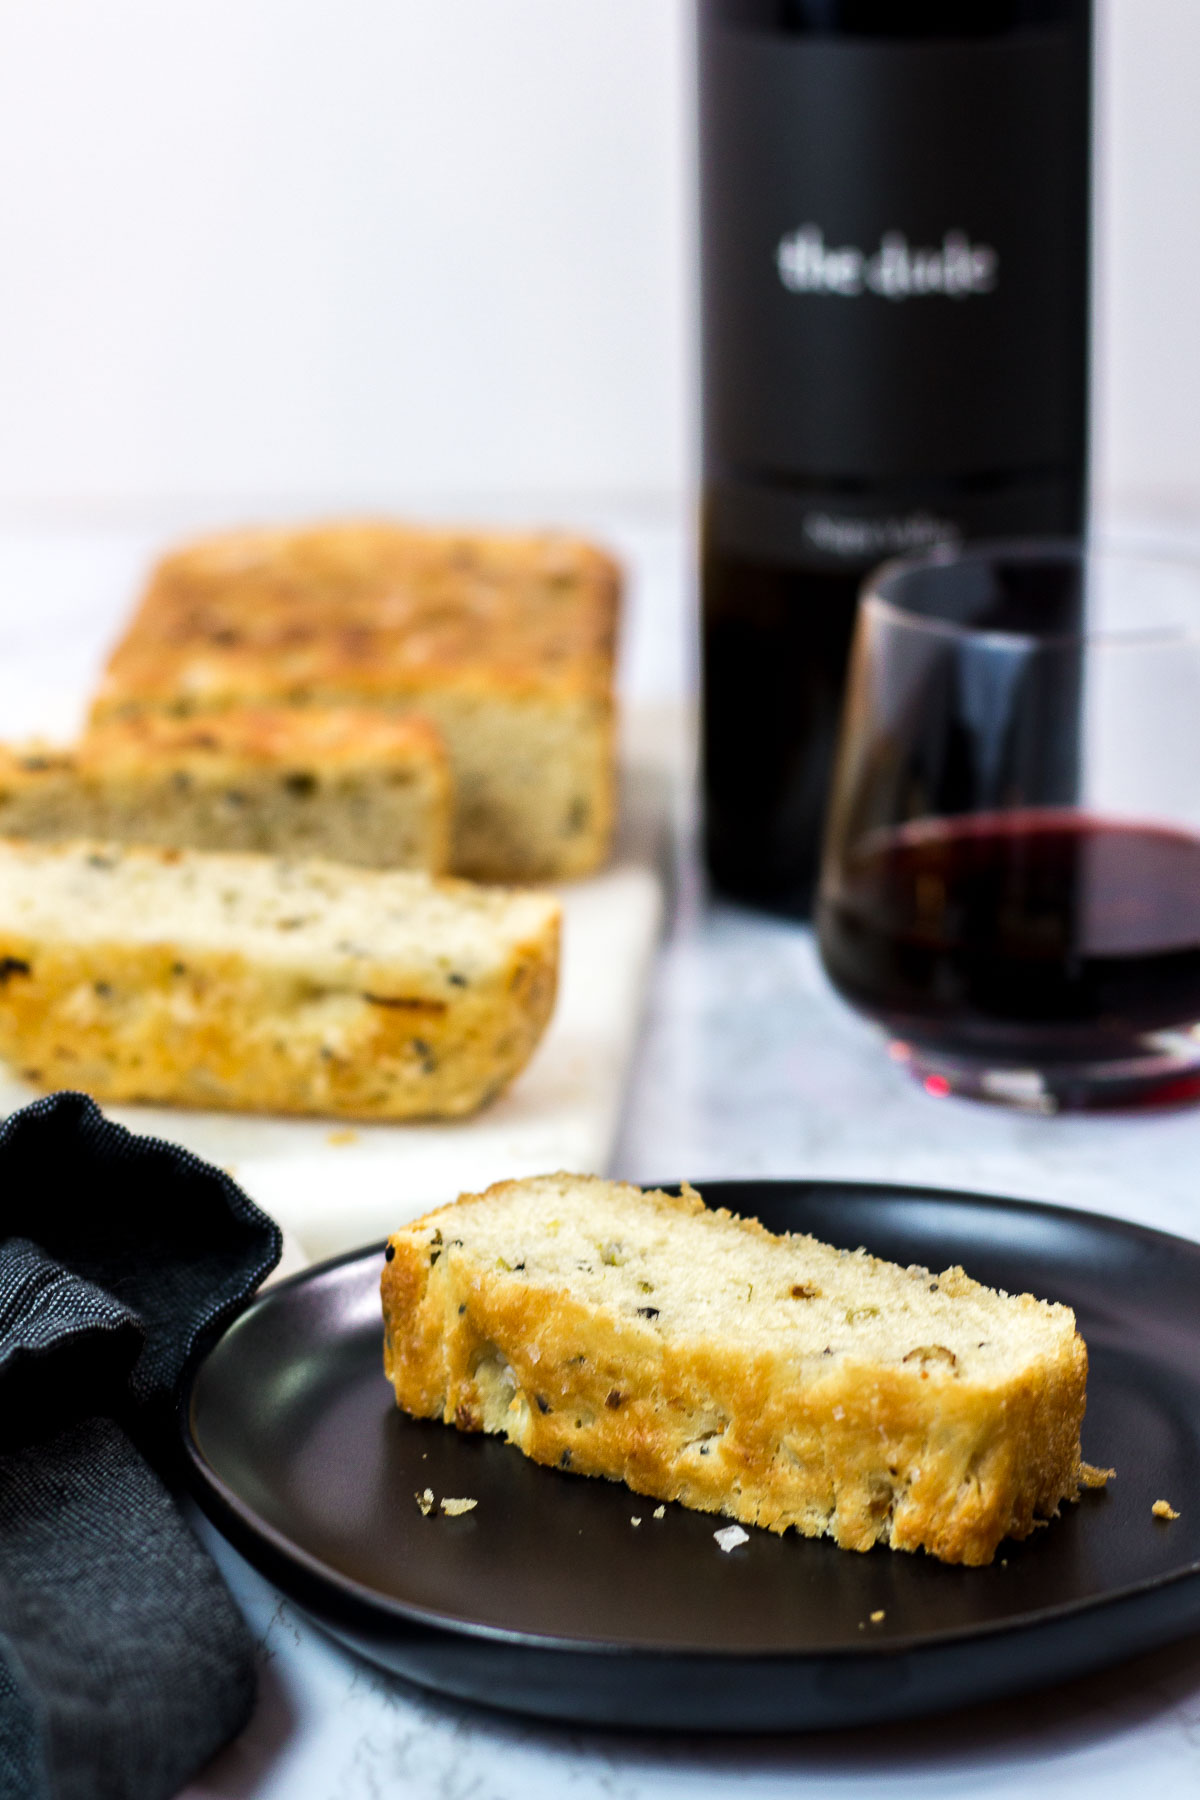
(1162,1509)
(452,1508)
(425,1502)
(730,1537)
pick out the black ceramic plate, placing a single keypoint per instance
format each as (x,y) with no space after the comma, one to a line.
(548,1599)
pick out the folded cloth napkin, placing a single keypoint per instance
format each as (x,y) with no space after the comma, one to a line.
(124,1664)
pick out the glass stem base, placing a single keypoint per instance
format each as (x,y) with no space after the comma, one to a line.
(1163,1071)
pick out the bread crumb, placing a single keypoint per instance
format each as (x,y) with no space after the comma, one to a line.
(731,1536)
(1162,1509)
(452,1508)
(877,1618)
(660,1512)
(1091,1477)
(341,1137)
(425,1502)
(635,1521)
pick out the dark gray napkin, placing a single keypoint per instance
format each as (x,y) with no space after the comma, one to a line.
(124,1664)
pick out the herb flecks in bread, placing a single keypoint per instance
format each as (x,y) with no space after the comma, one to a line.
(504,640)
(255,983)
(353,784)
(697,1357)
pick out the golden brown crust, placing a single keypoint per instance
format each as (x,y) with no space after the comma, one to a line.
(371,609)
(505,642)
(217,1018)
(124,1024)
(333,737)
(912,1455)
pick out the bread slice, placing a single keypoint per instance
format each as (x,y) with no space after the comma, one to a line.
(248,982)
(698,1358)
(504,641)
(355,785)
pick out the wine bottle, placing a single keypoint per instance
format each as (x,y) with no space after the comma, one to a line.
(894,270)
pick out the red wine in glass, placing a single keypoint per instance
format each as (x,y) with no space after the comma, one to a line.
(1039,936)
(1010,880)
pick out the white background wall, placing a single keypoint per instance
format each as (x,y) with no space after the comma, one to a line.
(403,250)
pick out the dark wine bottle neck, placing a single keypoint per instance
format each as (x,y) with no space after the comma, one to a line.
(896,18)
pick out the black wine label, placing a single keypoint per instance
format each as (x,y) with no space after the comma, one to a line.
(894,242)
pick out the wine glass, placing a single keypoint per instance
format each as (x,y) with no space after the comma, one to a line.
(1010,882)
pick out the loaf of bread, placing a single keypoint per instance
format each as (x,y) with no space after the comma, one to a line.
(248,982)
(352,784)
(697,1357)
(505,642)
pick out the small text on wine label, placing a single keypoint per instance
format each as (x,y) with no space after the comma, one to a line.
(898,270)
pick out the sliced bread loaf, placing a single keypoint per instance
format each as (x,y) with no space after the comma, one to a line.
(249,982)
(697,1357)
(504,640)
(352,784)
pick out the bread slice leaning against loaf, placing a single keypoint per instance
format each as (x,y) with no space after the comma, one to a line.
(353,784)
(505,641)
(253,983)
(697,1357)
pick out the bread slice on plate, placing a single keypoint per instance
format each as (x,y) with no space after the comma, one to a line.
(253,983)
(697,1357)
(504,640)
(352,784)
